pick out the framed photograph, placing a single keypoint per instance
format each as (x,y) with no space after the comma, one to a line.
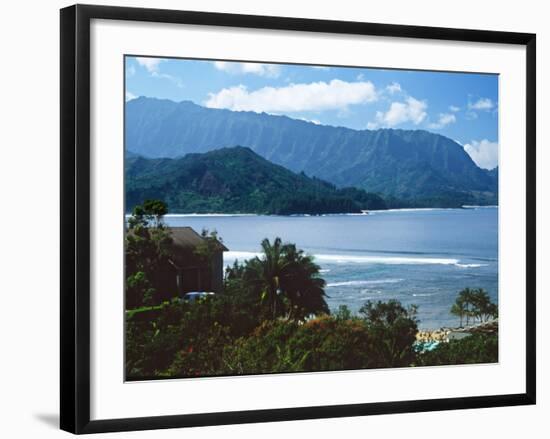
(273,218)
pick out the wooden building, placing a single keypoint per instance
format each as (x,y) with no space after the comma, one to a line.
(192,271)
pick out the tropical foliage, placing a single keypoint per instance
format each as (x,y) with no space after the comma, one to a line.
(237,180)
(393,329)
(473,349)
(146,246)
(271,317)
(474,305)
(286,280)
(217,337)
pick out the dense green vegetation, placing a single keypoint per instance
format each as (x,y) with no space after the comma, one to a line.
(476,348)
(272,317)
(146,248)
(237,180)
(235,334)
(415,167)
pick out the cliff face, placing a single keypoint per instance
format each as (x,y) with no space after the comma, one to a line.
(418,166)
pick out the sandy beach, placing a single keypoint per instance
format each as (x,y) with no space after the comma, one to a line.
(446,334)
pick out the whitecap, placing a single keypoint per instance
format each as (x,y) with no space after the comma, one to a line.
(231,256)
(363,282)
(471,265)
(390,260)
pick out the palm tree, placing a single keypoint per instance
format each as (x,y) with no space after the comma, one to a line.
(302,286)
(285,277)
(464,302)
(483,305)
(458,310)
(474,304)
(264,273)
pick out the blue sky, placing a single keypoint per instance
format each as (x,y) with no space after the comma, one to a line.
(462,106)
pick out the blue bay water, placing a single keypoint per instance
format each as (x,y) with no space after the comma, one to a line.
(421,257)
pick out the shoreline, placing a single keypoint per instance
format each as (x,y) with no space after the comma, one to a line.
(446,334)
(301,215)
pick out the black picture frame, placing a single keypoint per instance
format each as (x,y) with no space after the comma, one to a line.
(75,217)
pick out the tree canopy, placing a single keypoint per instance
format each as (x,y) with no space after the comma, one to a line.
(474,305)
(286,280)
(146,248)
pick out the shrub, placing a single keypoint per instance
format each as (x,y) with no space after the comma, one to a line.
(218,336)
(201,354)
(322,344)
(393,330)
(263,351)
(476,348)
(182,339)
(152,337)
(328,343)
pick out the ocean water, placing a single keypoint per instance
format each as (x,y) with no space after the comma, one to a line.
(423,257)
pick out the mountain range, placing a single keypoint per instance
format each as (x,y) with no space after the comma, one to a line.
(407,167)
(237,180)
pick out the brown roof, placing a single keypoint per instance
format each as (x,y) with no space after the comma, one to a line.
(187,238)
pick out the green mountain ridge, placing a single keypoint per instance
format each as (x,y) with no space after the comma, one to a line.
(237,180)
(419,168)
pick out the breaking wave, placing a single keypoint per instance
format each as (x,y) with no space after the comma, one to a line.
(390,260)
(471,265)
(363,282)
(231,256)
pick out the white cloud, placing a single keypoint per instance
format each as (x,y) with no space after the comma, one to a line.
(412,110)
(485,104)
(444,120)
(130,96)
(454,108)
(131,71)
(394,87)
(172,78)
(315,96)
(268,70)
(372,125)
(484,153)
(151,64)
(320,67)
(313,121)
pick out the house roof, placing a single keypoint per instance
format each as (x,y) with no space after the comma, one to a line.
(187,238)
